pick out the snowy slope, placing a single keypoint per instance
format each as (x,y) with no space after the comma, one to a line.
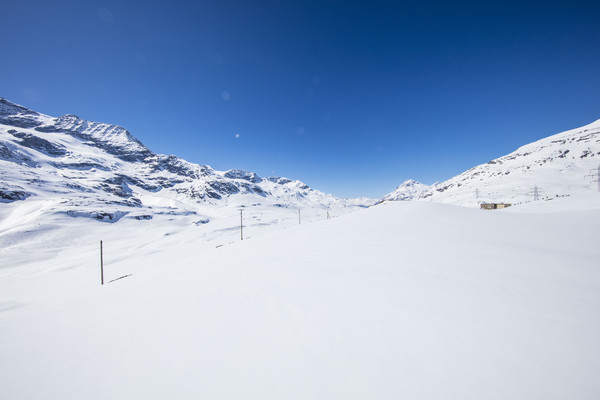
(552,167)
(70,166)
(411,300)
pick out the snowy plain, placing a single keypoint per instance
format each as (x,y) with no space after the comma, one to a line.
(414,300)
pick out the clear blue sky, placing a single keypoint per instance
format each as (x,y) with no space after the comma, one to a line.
(350,97)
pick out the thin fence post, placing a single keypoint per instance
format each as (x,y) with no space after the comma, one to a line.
(241,225)
(101,265)
(299,221)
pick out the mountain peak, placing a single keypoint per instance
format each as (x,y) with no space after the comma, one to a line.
(114,139)
(409,189)
(410,182)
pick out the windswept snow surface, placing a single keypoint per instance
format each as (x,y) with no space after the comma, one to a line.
(412,300)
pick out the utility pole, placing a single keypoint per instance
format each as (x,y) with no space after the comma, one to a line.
(595,175)
(101,265)
(536,192)
(299,222)
(241,225)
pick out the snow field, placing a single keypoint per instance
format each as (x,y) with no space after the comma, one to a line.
(403,300)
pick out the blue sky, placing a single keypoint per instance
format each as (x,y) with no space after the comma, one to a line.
(350,97)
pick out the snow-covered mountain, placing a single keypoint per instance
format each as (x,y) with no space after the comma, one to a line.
(408,190)
(560,165)
(99,170)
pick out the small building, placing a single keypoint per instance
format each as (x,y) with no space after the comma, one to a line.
(494,206)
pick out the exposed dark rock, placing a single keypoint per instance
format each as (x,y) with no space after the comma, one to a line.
(9,152)
(248,188)
(245,175)
(39,144)
(124,180)
(118,190)
(224,187)
(20,121)
(133,202)
(98,215)
(6,152)
(142,217)
(191,193)
(176,166)
(213,195)
(8,195)
(76,186)
(276,179)
(84,166)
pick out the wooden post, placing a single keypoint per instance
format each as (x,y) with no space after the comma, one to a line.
(101,265)
(241,225)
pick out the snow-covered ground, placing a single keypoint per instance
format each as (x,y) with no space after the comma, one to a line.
(413,300)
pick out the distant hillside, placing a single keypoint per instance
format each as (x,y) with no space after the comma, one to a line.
(556,166)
